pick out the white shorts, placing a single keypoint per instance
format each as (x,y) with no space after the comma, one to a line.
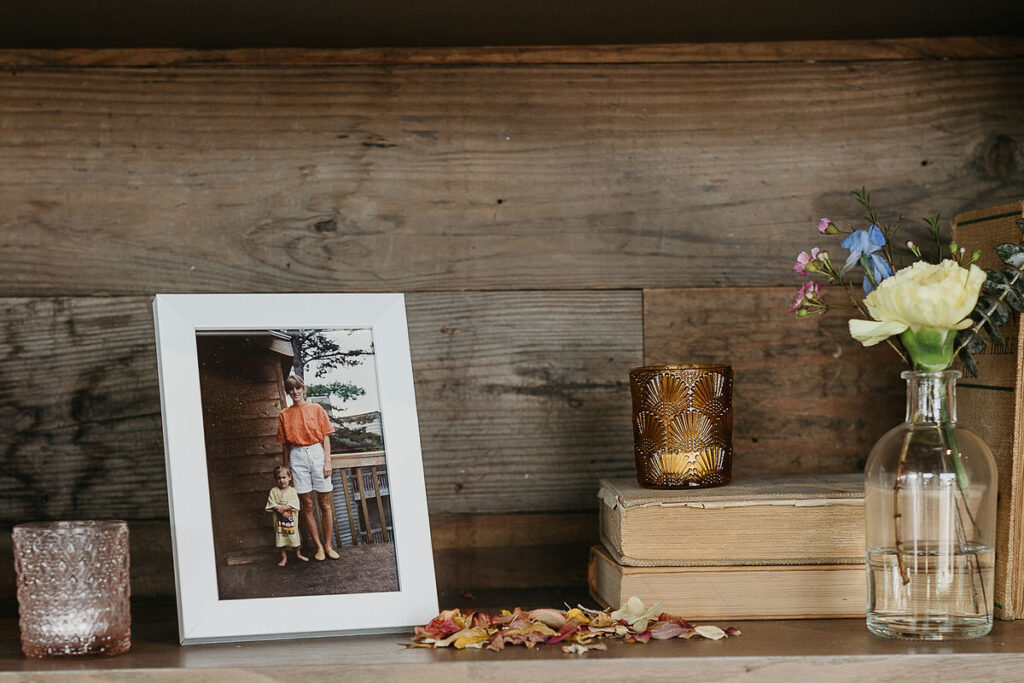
(307,463)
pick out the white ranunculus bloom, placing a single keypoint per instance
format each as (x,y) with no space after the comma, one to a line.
(924,295)
(926,303)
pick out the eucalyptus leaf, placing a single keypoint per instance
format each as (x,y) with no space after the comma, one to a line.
(993,278)
(999,313)
(1020,224)
(975,343)
(968,361)
(1011,254)
(994,334)
(1012,298)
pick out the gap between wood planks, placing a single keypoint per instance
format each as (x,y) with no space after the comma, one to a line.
(960,47)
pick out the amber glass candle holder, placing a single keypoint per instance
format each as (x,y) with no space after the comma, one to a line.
(73,588)
(682,425)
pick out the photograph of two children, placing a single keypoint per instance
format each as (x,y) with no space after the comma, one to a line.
(296,463)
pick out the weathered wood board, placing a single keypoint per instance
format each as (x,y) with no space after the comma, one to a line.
(523,397)
(523,402)
(133,181)
(471,552)
(807,397)
(524,202)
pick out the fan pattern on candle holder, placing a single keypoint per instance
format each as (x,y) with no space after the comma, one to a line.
(682,425)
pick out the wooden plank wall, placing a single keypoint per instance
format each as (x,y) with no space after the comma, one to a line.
(554,220)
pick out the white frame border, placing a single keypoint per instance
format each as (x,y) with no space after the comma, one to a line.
(202,616)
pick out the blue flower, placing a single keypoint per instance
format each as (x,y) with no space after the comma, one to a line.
(866,244)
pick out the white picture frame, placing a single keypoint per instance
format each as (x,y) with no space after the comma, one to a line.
(203,616)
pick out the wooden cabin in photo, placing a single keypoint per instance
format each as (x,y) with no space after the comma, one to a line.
(241,379)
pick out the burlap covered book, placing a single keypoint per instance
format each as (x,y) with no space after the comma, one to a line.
(992,405)
(795,520)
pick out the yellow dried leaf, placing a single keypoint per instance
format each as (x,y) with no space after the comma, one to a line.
(470,636)
(576,614)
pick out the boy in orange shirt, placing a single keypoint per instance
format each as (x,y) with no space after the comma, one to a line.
(304,431)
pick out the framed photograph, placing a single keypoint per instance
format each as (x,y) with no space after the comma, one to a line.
(294,472)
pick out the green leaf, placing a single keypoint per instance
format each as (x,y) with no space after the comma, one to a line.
(1020,224)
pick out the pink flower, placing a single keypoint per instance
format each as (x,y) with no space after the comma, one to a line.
(800,267)
(808,294)
(823,225)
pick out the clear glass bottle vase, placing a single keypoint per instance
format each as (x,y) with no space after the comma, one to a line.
(930,497)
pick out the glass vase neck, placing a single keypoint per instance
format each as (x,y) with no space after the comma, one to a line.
(931,396)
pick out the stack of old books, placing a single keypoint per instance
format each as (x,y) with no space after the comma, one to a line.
(769,548)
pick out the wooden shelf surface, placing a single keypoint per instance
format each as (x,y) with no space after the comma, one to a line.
(767,651)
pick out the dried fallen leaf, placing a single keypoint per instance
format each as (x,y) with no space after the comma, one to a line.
(552,617)
(602,620)
(578,630)
(636,613)
(710,632)
(578,649)
(576,614)
(663,630)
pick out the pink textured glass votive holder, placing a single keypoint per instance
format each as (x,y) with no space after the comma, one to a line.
(73,588)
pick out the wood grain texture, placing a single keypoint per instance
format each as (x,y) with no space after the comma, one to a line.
(523,402)
(966,47)
(80,405)
(767,652)
(807,398)
(471,553)
(377,178)
(523,397)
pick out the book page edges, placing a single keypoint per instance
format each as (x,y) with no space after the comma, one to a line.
(1013,594)
(795,491)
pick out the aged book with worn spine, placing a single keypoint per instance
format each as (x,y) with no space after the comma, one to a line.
(734,592)
(794,520)
(992,405)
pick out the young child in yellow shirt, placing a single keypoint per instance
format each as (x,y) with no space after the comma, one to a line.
(284,502)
